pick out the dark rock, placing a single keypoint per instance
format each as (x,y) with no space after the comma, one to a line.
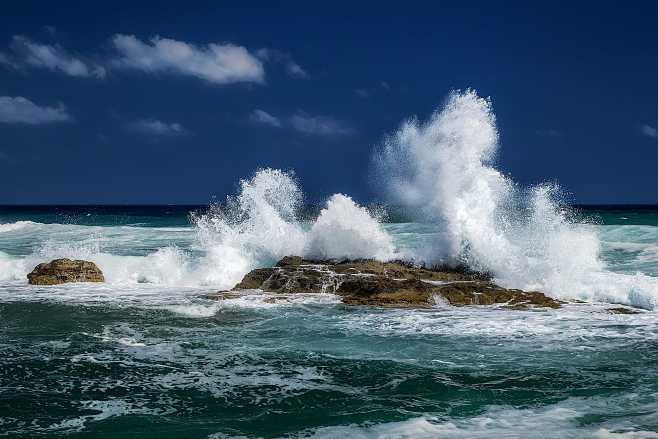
(254,279)
(291,279)
(622,310)
(400,284)
(487,293)
(290,261)
(62,271)
(383,291)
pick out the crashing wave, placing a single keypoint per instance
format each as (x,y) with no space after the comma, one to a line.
(443,169)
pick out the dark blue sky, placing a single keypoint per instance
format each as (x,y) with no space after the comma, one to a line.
(108,114)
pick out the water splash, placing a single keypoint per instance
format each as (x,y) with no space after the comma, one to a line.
(443,169)
(260,225)
(346,230)
(254,228)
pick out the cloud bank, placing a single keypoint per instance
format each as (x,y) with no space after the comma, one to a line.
(292,67)
(649,131)
(304,123)
(157,127)
(215,63)
(21,110)
(30,54)
(265,118)
(319,125)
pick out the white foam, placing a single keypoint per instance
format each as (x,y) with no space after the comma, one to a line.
(260,225)
(443,169)
(256,227)
(11,268)
(106,409)
(195,310)
(346,230)
(18,225)
(570,327)
(556,421)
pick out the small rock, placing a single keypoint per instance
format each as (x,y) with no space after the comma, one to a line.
(62,271)
(622,310)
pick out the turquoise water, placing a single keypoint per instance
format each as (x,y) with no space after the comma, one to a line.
(145,356)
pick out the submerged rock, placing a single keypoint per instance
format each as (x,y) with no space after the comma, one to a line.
(62,271)
(396,284)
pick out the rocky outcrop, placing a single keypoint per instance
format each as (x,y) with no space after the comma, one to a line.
(62,271)
(396,284)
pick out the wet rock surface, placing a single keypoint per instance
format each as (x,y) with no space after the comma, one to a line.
(60,271)
(390,284)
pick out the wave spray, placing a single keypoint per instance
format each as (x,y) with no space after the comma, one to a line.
(443,169)
(260,225)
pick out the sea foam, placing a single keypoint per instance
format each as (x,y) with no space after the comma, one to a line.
(443,170)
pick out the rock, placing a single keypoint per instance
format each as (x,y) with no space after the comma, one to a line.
(290,261)
(487,293)
(399,284)
(383,291)
(62,271)
(622,310)
(254,279)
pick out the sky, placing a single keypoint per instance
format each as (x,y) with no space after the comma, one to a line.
(174,103)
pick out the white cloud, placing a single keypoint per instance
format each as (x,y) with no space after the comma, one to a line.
(361,92)
(649,131)
(292,67)
(4,59)
(216,63)
(304,123)
(296,70)
(28,53)
(265,118)
(22,110)
(158,128)
(319,125)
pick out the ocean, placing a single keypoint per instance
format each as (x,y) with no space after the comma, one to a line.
(143,355)
(146,355)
